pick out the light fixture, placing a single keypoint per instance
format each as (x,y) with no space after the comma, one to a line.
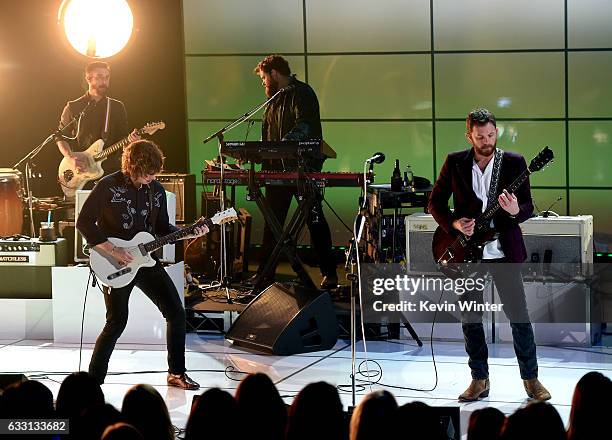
(94,28)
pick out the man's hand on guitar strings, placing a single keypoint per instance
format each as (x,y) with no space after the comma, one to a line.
(122,255)
(508,203)
(198,232)
(134,136)
(465,225)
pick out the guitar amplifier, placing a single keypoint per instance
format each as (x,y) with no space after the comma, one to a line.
(81,249)
(25,267)
(565,239)
(183,186)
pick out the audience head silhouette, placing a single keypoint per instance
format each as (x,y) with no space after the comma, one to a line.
(145,409)
(211,415)
(316,413)
(589,406)
(373,417)
(261,409)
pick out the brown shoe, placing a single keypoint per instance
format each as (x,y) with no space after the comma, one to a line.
(182,381)
(478,389)
(536,390)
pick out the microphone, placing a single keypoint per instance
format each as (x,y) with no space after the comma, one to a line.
(377,158)
(546,213)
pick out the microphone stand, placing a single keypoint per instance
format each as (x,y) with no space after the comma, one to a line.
(224,279)
(548,211)
(28,159)
(352,262)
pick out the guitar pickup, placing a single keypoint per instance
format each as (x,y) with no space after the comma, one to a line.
(122,272)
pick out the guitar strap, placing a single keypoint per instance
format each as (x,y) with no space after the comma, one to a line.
(107,121)
(493,187)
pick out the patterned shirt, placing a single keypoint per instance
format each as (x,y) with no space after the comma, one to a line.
(116,208)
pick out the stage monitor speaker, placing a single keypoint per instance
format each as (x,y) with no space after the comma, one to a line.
(286,320)
(183,185)
(7,380)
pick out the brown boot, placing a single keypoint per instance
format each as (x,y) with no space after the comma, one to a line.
(478,389)
(536,390)
(182,381)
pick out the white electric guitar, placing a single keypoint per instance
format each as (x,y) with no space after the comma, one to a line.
(110,273)
(71,179)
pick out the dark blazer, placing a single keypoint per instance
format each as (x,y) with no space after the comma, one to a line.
(456,179)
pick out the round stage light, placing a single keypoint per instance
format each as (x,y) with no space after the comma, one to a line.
(97,29)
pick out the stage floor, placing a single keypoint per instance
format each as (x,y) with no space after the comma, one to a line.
(403,363)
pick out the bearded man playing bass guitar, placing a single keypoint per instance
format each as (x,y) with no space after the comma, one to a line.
(121,205)
(477,178)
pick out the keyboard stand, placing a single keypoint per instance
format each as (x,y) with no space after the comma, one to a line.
(286,239)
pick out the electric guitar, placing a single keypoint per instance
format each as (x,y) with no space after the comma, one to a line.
(110,273)
(72,180)
(448,248)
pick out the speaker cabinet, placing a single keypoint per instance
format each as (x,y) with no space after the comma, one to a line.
(183,185)
(566,239)
(286,320)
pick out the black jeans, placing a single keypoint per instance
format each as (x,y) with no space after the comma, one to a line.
(279,200)
(509,284)
(157,285)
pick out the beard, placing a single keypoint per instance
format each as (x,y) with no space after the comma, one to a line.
(272,88)
(486,150)
(101,90)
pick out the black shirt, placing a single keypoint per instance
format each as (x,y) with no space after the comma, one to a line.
(116,208)
(93,124)
(292,115)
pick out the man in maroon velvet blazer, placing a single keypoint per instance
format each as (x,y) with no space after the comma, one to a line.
(473,177)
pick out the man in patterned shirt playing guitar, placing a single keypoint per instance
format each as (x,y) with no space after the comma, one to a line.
(121,205)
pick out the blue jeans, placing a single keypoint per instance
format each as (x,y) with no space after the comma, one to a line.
(509,284)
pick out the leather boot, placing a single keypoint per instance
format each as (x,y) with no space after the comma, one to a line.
(182,381)
(535,390)
(478,389)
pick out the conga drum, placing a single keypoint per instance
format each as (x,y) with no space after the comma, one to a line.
(11,207)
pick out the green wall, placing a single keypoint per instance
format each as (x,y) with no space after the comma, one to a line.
(399,76)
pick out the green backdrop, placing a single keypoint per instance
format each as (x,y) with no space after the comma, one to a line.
(399,76)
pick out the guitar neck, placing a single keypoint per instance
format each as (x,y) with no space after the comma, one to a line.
(484,220)
(112,149)
(175,236)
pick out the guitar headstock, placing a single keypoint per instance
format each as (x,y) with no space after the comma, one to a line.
(229,215)
(152,127)
(541,160)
